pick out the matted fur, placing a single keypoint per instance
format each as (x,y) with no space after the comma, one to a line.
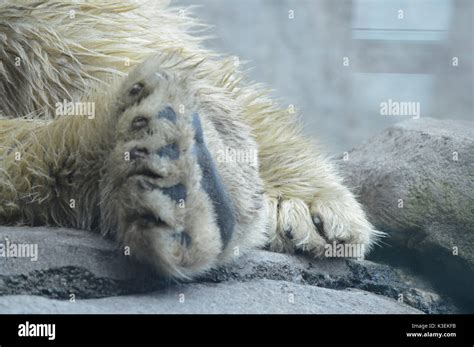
(52,51)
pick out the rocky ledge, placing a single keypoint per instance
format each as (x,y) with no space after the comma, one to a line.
(78,271)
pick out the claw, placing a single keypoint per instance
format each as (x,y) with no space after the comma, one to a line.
(318,223)
(136,89)
(288,233)
(139,123)
(184,238)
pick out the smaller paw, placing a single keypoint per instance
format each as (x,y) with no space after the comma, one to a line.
(319,228)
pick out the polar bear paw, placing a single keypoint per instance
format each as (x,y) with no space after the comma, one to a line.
(161,194)
(336,227)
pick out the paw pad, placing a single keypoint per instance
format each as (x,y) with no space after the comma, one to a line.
(177,193)
(170,151)
(212,184)
(167,113)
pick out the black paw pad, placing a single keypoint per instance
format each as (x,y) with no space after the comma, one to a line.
(212,184)
(198,135)
(167,113)
(171,151)
(177,193)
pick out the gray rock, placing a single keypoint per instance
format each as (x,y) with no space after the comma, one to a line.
(416,181)
(70,262)
(82,263)
(61,247)
(259,296)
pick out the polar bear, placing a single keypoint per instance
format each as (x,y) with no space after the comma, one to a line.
(115,119)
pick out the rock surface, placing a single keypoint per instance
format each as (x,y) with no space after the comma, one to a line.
(259,296)
(87,266)
(416,181)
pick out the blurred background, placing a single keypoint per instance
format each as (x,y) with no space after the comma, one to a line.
(337,61)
